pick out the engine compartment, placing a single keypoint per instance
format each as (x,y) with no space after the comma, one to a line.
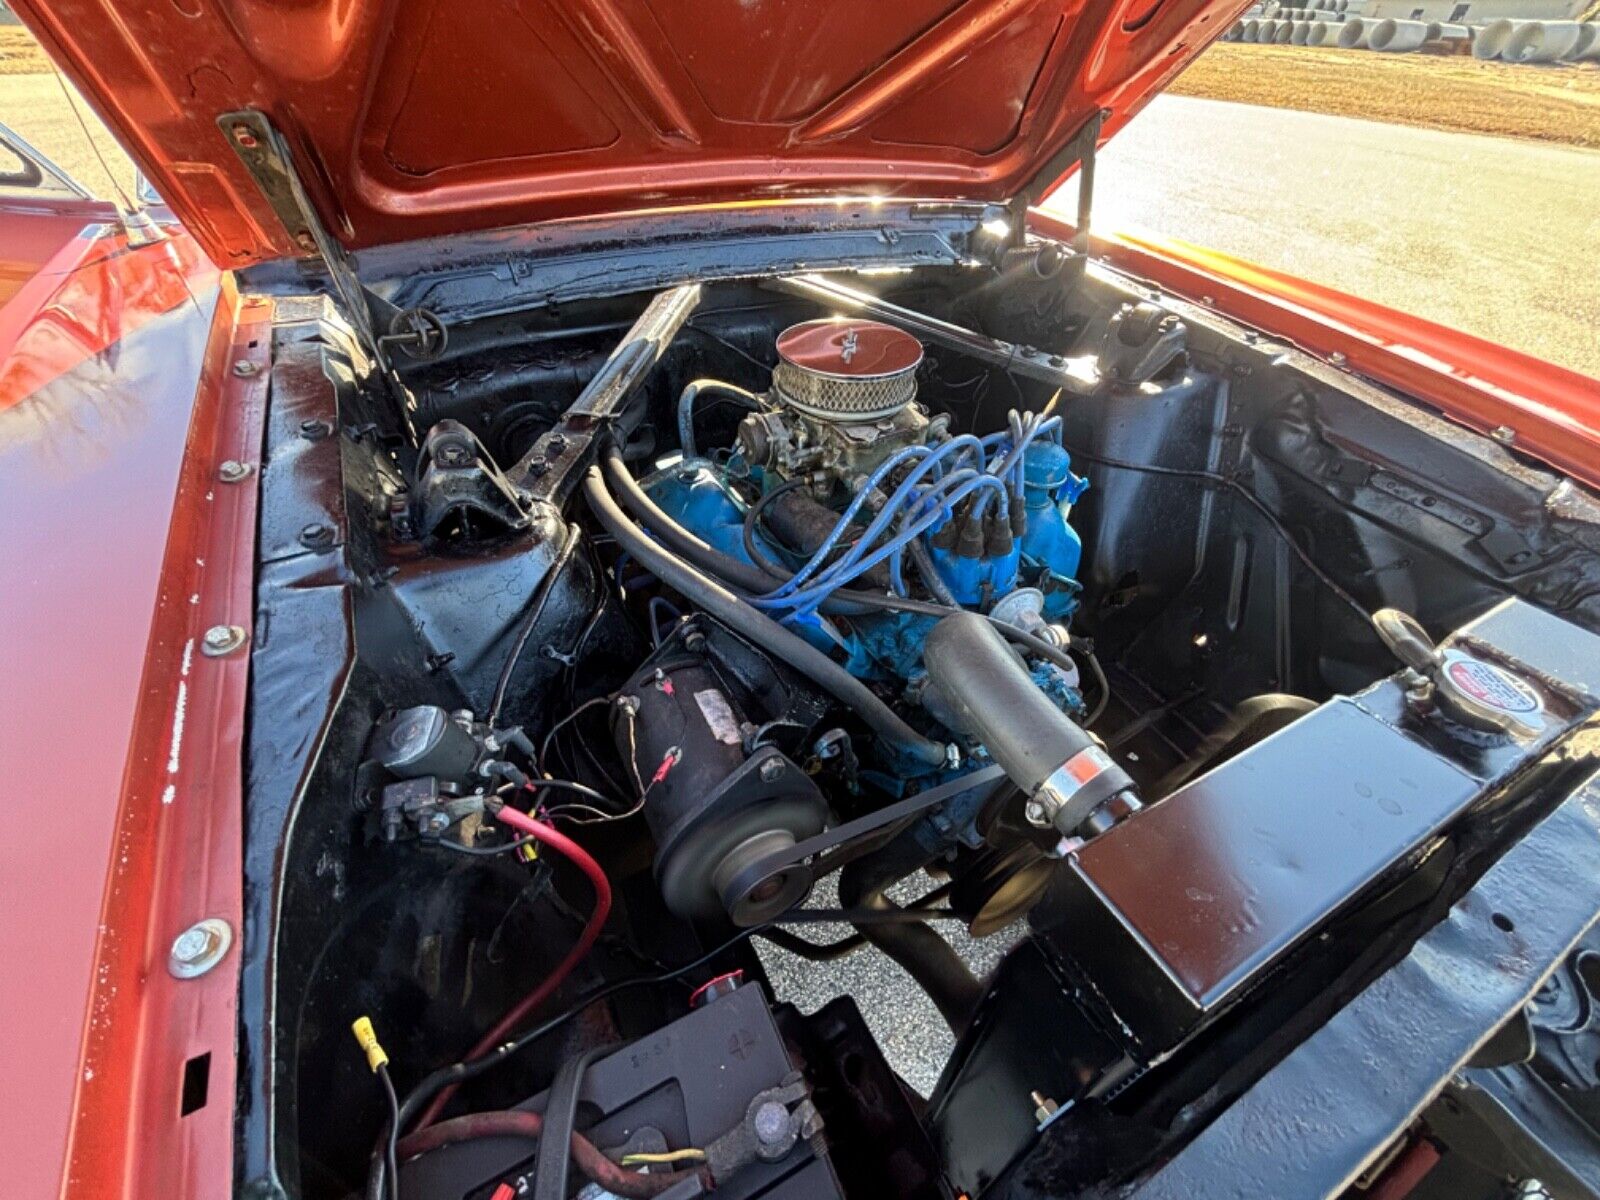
(644,614)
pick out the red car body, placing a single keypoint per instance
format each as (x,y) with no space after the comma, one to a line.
(129,374)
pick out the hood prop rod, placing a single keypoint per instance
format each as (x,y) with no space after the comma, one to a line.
(1082,149)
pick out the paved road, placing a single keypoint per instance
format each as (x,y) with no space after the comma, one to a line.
(1498,237)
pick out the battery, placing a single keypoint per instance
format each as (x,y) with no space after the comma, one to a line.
(681,1086)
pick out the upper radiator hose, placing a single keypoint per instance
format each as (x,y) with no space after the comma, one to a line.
(986,685)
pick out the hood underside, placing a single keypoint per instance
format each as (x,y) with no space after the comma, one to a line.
(416,118)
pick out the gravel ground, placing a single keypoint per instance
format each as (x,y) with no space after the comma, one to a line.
(914,1037)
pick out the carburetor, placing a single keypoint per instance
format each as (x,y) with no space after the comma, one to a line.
(845,393)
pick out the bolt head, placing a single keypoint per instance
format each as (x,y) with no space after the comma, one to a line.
(771,770)
(199,948)
(1035,814)
(221,639)
(244,368)
(771,1123)
(314,430)
(232,471)
(316,535)
(1503,434)
(1337,358)
(191,945)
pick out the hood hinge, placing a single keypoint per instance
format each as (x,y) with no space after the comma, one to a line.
(266,155)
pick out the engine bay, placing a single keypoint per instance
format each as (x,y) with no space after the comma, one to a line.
(614,636)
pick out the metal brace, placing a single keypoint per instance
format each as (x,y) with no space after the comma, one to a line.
(1082,150)
(266,155)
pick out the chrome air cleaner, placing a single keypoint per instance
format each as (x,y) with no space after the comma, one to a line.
(846,370)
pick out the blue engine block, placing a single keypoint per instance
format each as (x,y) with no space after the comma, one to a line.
(888,647)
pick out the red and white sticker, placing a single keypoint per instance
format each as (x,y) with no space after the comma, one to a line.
(1491,686)
(1086,764)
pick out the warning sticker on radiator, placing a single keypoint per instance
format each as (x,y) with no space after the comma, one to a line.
(1489,685)
(719,716)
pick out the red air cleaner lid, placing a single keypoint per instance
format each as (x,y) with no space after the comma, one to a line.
(849,348)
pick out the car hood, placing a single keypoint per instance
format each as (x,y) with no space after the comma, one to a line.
(417,118)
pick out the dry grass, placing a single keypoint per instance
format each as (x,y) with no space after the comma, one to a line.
(20,54)
(1552,104)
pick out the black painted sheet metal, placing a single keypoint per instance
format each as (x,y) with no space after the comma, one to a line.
(1315,1121)
(1562,653)
(1175,912)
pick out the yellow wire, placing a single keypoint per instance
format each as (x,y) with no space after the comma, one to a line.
(671,1156)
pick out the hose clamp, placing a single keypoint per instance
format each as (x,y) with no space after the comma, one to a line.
(1073,790)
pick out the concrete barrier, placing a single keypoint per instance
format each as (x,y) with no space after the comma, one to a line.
(1588,47)
(1492,38)
(1353,34)
(1283,34)
(1324,33)
(1543,42)
(1251,30)
(1397,37)
(1300,31)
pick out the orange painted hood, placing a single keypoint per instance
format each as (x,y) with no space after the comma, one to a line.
(417,118)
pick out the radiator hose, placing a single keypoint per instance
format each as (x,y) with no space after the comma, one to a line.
(986,687)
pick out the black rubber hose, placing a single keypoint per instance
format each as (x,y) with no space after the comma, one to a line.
(752,519)
(986,685)
(678,539)
(802,523)
(560,1122)
(759,628)
(931,579)
(924,955)
(735,572)
(1101,682)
